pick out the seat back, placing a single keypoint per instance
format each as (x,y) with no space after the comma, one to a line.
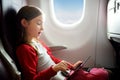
(7,66)
(9,69)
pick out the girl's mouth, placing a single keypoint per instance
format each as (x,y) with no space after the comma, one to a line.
(39,32)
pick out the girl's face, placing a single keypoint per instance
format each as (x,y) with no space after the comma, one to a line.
(34,27)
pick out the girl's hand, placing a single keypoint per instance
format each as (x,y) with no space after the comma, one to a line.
(77,64)
(62,66)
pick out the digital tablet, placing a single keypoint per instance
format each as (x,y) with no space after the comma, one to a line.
(70,73)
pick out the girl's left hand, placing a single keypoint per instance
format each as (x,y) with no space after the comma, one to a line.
(77,64)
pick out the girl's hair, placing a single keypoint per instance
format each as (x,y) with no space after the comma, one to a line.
(28,13)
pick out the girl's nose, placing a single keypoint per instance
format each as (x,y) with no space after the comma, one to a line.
(41,28)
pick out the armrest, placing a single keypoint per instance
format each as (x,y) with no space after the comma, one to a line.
(56,48)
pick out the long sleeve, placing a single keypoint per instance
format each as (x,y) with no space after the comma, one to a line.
(28,59)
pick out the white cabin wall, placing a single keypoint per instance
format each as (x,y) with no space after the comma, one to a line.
(80,41)
(87,38)
(34,2)
(105,54)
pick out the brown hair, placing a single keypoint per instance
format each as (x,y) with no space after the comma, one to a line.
(28,13)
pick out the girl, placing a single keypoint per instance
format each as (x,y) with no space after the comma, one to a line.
(35,58)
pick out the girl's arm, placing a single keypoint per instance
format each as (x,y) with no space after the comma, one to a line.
(28,59)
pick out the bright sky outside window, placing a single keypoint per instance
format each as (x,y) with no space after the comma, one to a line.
(68,11)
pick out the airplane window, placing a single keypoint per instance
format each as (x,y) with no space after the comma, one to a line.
(68,11)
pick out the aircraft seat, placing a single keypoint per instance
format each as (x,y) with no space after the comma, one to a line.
(8,68)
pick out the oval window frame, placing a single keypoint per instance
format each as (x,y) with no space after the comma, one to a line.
(57,22)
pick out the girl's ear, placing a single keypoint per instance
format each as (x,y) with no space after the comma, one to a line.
(24,22)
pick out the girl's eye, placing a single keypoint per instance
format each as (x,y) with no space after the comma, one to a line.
(39,23)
